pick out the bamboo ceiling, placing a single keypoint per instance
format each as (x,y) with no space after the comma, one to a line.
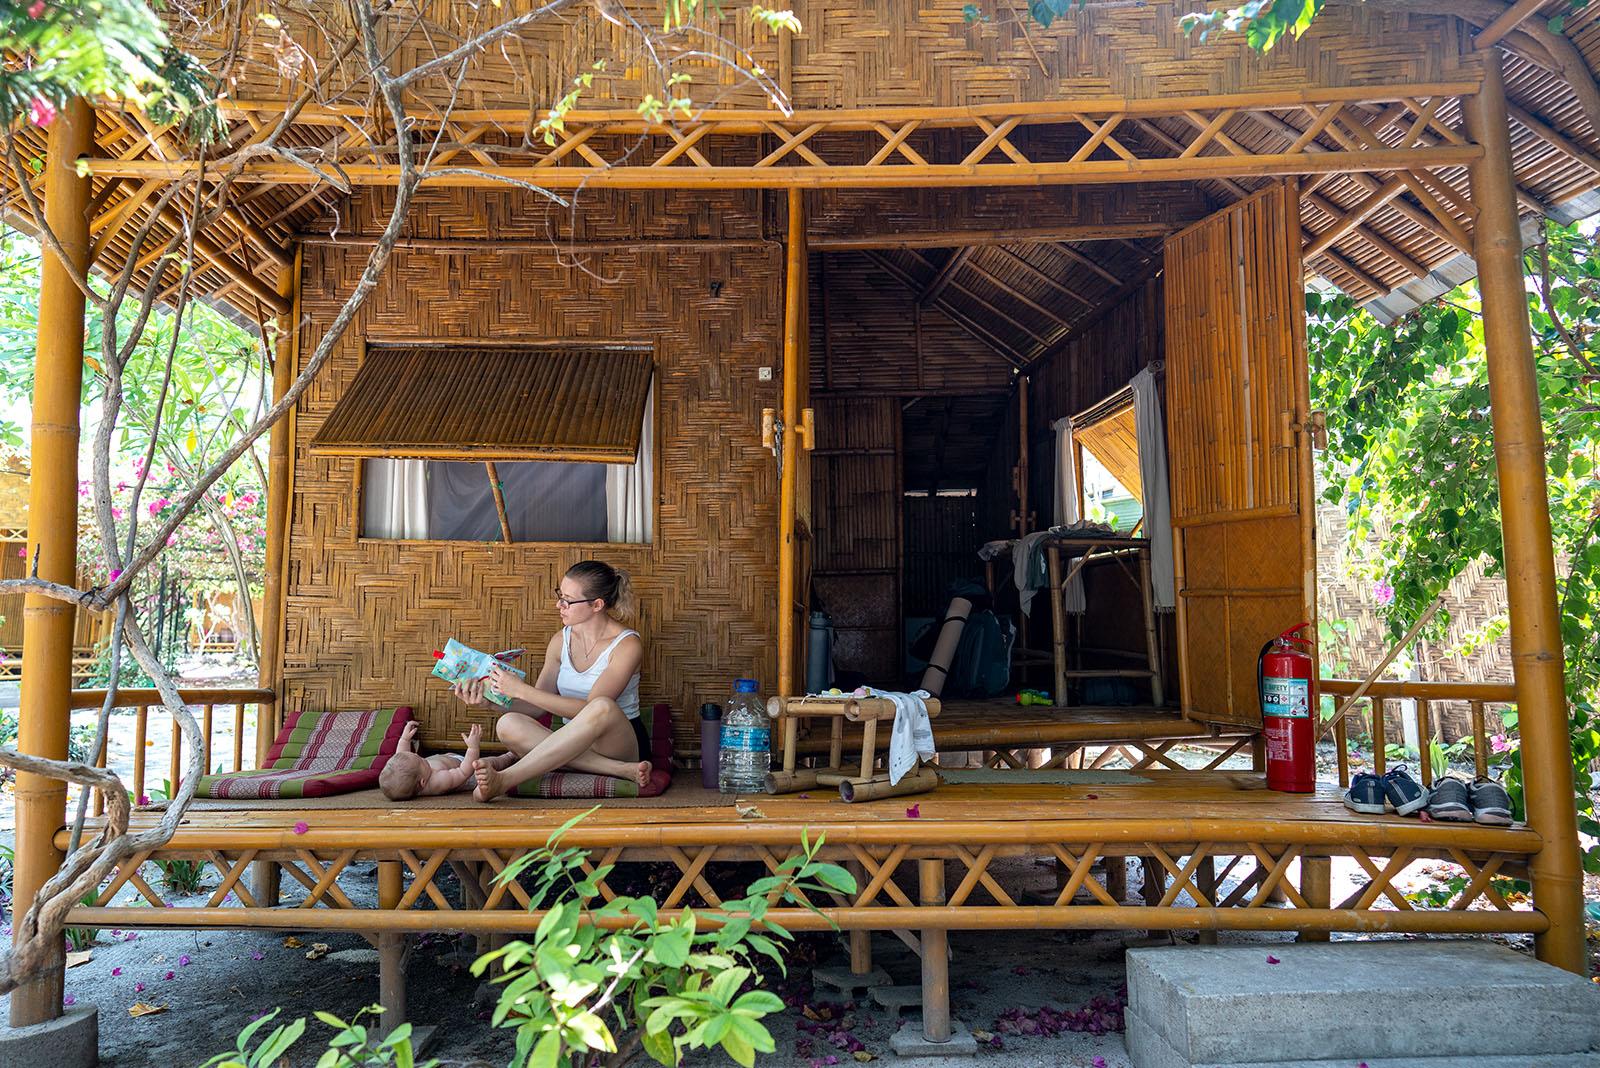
(1105,95)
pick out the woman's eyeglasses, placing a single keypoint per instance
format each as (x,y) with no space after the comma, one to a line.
(563,601)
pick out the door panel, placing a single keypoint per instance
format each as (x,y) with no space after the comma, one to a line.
(1242,499)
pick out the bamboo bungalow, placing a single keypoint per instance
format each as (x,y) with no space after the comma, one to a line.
(963,235)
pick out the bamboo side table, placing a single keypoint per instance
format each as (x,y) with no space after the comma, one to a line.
(861,783)
(1117,550)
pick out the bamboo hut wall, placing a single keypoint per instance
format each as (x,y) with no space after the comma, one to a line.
(868,335)
(1099,360)
(852,55)
(362,616)
(942,538)
(856,533)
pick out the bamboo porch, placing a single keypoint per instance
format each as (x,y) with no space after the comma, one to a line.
(914,274)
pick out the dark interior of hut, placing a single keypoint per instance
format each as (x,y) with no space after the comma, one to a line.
(920,360)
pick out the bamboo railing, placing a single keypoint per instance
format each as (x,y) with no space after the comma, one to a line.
(208,701)
(1378,696)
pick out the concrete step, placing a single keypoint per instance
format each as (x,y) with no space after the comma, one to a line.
(1428,1004)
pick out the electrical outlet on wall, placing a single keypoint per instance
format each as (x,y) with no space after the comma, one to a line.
(763,374)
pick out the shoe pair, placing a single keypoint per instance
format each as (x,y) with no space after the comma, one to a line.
(1480,801)
(1396,790)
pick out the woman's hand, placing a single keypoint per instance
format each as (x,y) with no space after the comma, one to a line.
(471,693)
(505,683)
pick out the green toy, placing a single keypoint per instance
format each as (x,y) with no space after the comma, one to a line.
(1033,697)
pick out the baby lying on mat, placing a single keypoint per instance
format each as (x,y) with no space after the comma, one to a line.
(408,775)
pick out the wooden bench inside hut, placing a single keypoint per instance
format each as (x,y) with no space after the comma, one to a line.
(972,289)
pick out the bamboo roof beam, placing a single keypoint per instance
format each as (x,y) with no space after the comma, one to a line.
(1354,133)
(1019,235)
(1088,172)
(987,306)
(1344,224)
(1366,182)
(1084,261)
(1515,15)
(1377,285)
(1370,236)
(1017,295)
(1553,137)
(945,275)
(1040,276)
(1171,143)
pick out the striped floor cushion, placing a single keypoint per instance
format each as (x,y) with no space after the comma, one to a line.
(318,754)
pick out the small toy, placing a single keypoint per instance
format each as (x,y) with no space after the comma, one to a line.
(1033,697)
(461,663)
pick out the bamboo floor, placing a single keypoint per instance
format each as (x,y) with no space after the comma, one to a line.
(1190,830)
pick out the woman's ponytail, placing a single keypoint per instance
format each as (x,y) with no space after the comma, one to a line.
(610,584)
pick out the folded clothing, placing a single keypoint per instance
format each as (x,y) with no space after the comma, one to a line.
(318,754)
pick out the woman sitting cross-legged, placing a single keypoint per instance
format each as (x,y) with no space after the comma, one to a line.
(590,678)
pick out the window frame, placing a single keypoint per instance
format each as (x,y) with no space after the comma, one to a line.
(358,488)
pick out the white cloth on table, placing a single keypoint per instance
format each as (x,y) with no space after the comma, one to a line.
(912,736)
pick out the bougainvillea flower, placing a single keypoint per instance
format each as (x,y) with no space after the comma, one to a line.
(301,827)
(914,812)
(116,972)
(41,112)
(1273,960)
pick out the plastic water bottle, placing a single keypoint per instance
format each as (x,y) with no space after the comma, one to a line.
(746,754)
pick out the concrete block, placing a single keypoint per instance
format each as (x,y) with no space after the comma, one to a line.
(895,998)
(842,979)
(1147,1049)
(1359,1001)
(909,1041)
(71,1040)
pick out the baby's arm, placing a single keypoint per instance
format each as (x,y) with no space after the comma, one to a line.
(407,734)
(448,780)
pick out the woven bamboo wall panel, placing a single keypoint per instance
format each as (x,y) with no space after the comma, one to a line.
(858,54)
(869,335)
(363,616)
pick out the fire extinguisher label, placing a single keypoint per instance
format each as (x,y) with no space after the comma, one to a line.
(1287,698)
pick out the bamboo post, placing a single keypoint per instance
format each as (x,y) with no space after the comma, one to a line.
(935,956)
(794,328)
(208,720)
(47,624)
(1424,743)
(1152,642)
(1316,886)
(1380,759)
(279,473)
(1206,881)
(175,759)
(391,950)
(1024,520)
(1116,871)
(1341,748)
(141,734)
(1058,618)
(238,736)
(869,742)
(860,941)
(499,500)
(1536,649)
(1480,741)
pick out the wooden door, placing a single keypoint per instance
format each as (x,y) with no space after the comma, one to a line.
(1238,441)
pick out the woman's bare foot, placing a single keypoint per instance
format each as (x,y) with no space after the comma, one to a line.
(501,762)
(641,773)
(490,784)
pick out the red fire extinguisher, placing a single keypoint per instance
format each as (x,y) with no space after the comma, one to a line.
(1283,679)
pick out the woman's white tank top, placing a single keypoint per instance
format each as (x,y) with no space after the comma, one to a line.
(574,683)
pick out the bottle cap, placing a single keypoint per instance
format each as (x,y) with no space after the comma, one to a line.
(710,711)
(745,686)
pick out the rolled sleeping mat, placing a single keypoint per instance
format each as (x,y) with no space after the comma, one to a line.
(944,650)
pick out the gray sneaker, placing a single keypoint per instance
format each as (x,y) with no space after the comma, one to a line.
(1406,795)
(1490,803)
(1448,801)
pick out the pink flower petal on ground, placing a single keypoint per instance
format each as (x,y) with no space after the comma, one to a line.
(301,827)
(144,800)
(115,972)
(184,961)
(914,812)
(69,1001)
(1098,1062)
(1273,960)
(170,975)
(138,988)
(256,954)
(131,936)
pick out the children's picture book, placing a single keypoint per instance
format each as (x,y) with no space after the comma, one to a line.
(462,663)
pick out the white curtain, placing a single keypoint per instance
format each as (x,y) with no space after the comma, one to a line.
(395,499)
(630,488)
(1066,474)
(1068,503)
(1151,430)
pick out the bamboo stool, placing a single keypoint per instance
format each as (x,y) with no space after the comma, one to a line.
(859,784)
